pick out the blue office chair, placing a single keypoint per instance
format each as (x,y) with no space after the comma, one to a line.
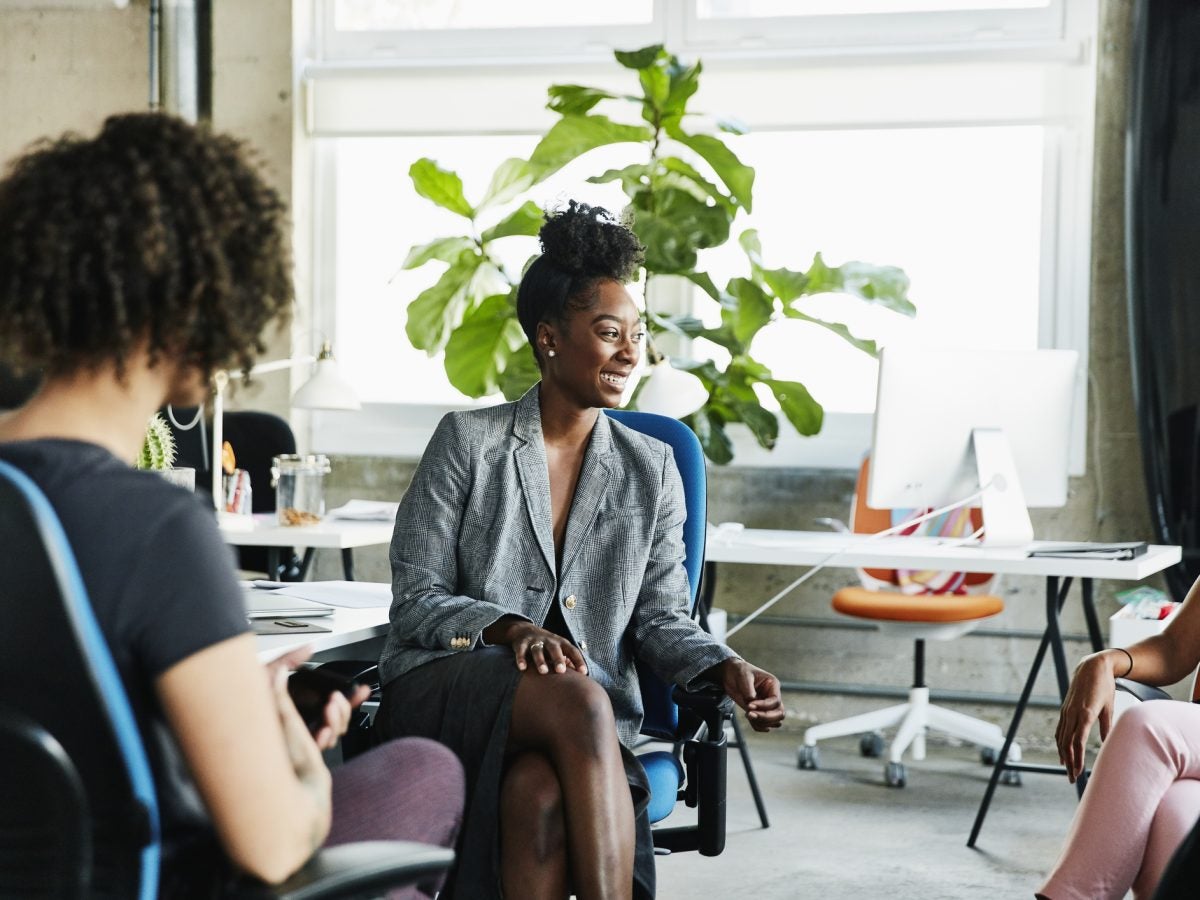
(78,810)
(694,771)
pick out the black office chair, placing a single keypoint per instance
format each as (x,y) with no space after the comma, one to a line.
(256,438)
(78,810)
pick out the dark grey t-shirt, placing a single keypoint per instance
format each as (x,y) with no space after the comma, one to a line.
(161,582)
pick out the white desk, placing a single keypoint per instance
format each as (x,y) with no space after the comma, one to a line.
(339,534)
(348,626)
(834,549)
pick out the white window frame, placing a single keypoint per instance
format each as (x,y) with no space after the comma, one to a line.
(1046,79)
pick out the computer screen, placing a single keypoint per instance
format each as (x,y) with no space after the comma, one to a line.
(943,417)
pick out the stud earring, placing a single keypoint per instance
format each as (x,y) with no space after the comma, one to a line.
(551,354)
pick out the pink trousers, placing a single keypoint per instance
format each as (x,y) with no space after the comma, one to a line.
(1141,801)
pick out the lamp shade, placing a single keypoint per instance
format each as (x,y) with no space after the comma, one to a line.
(670,392)
(326,389)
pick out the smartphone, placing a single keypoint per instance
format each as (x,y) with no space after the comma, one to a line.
(310,689)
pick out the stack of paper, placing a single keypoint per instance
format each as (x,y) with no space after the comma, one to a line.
(352,594)
(366,511)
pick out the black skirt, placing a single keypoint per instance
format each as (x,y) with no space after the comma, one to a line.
(465,702)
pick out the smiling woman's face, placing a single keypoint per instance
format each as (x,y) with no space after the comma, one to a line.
(595,350)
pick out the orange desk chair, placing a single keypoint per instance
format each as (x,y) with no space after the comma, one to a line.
(921,617)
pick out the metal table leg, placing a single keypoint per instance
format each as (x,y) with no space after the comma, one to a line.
(1051,639)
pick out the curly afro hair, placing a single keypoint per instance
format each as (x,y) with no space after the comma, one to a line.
(581,247)
(155,230)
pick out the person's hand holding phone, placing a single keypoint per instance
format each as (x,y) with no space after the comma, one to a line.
(324,701)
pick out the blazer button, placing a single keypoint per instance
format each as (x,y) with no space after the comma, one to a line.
(569,603)
(583,646)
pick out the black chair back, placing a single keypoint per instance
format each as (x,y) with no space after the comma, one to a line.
(78,815)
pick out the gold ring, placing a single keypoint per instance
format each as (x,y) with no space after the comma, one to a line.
(537,645)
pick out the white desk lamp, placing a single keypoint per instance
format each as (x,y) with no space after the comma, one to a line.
(326,389)
(669,391)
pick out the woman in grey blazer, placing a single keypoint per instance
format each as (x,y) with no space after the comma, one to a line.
(537,553)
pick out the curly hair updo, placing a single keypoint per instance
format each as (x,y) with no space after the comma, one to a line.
(581,247)
(155,230)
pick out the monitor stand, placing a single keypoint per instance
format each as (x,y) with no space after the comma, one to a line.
(1005,516)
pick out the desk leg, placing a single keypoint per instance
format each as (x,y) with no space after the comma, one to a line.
(348,563)
(1055,598)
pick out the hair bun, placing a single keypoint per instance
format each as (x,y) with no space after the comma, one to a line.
(589,241)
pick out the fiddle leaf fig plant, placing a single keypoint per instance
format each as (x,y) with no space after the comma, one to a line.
(686,188)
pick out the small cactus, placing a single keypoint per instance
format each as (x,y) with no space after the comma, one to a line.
(158,451)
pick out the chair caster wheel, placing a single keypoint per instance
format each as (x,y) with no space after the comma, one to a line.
(988,756)
(894,774)
(808,758)
(871,745)
(1010,777)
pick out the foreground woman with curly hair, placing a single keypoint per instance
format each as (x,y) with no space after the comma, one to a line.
(133,265)
(538,554)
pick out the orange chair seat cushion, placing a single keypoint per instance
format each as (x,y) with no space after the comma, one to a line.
(897,607)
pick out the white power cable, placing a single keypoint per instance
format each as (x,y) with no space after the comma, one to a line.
(818,566)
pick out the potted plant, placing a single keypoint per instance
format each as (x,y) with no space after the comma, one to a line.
(686,189)
(158,454)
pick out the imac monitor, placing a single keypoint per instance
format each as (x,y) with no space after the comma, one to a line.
(949,423)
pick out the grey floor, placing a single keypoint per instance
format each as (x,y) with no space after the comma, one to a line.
(839,832)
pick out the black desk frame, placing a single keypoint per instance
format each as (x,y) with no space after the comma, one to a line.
(1056,596)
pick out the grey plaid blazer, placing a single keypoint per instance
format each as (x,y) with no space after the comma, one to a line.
(473,542)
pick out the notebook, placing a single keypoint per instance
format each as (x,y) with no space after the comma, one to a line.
(271,605)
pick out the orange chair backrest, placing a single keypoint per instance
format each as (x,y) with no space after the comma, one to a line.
(869,520)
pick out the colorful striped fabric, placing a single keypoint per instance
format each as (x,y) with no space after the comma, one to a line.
(956,523)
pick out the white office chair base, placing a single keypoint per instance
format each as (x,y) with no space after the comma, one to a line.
(913,719)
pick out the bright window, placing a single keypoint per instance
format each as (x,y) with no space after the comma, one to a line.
(970,170)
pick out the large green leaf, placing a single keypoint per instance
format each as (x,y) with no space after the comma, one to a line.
(438,310)
(798,405)
(512,177)
(632,177)
(479,348)
(526,219)
(885,285)
(750,311)
(684,82)
(639,59)
(440,185)
(762,423)
(575,99)
(656,85)
(866,346)
(737,177)
(676,227)
(710,429)
(572,136)
(704,281)
(446,249)
(520,373)
(667,246)
(680,175)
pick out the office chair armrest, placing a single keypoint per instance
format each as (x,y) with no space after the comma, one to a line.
(1143,692)
(364,671)
(354,870)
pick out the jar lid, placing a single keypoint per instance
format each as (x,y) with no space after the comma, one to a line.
(308,463)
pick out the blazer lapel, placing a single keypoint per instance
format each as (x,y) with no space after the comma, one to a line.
(532,470)
(589,491)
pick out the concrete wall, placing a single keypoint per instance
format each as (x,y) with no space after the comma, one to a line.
(67,69)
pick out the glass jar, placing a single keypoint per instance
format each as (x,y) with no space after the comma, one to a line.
(299,482)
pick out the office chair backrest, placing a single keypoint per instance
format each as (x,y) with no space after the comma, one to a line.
(661,717)
(78,817)
(870,520)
